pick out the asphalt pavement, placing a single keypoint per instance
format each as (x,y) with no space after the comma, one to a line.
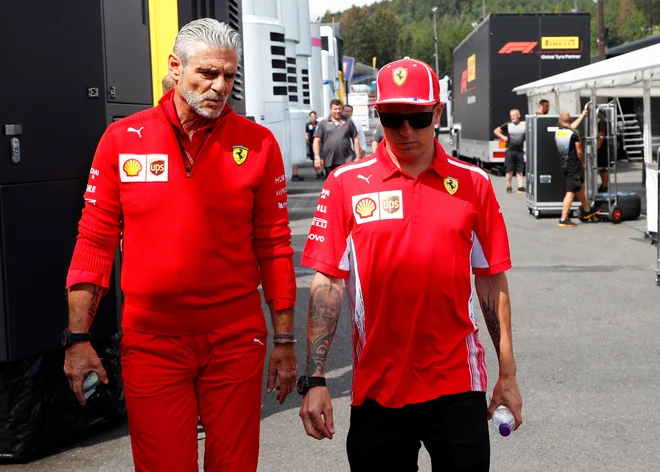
(586,320)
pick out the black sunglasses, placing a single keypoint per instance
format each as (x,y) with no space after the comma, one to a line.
(416,120)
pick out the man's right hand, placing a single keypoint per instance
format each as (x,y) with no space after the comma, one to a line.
(80,359)
(318,163)
(316,413)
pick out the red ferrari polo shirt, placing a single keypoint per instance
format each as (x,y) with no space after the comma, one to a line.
(406,247)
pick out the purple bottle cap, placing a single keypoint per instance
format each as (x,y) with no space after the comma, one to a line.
(505,430)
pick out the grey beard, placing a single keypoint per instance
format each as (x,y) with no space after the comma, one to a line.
(195,100)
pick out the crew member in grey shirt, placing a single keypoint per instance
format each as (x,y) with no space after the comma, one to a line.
(336,134)
(513,133)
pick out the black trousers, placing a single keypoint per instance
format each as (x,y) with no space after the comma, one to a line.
(453,428)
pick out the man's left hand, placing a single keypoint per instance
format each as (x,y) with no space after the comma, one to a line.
(507,393)
(282,365)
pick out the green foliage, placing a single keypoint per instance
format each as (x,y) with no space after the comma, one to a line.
(392,29)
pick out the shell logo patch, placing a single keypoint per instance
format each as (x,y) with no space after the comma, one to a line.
(451,184)
(132,167)
(400,74)
(378,206)
(365,208)
(240,154)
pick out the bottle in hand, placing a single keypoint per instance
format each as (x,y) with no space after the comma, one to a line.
(504,421)
(90,384)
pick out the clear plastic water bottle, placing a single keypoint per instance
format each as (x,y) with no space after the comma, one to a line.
(503,420)
(90,384)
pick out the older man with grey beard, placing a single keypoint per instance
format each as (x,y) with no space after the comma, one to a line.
(198,194)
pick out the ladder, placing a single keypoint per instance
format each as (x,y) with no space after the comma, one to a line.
(631,135)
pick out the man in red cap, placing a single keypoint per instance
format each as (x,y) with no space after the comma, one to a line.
(404,229)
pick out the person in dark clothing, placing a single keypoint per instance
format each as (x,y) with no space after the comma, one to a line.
(513,133)
(571,161)
(603,153)
(310,129)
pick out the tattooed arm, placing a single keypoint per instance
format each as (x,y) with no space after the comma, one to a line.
(324,304)
(81,358)
(493,293)
(326,295)
(83,302)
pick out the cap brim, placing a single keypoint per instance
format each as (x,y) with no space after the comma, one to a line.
(405,101)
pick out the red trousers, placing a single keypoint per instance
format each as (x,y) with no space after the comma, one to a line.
(170,381)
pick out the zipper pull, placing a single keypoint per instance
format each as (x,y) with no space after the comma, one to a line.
(188,169)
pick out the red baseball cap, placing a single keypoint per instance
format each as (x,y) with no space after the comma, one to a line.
(407,81)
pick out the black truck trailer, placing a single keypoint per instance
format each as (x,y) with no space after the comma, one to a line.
(503,52)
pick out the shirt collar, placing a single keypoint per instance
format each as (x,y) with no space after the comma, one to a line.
(331,120)
(167,103)
(388,169)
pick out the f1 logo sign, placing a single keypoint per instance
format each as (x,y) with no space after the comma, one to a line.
(523,47)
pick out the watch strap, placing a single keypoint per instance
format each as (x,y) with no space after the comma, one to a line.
(316,382)
(69,338)
(305,383)
(80,337)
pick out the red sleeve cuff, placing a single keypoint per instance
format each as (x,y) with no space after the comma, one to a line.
(492,270)
(84,277)
(324,268)
(278,280)
(280,304)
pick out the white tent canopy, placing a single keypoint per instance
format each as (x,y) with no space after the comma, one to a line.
(626,73)
(636,74)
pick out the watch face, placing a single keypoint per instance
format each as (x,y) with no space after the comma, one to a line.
(301,384)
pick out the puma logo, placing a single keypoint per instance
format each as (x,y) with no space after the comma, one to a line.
(257,340)
(360,176)
(137,131)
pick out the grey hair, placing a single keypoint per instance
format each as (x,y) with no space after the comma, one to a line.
(209,32)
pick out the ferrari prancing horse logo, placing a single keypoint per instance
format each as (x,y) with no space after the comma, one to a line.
(400,75)
(240,154)
(451,185)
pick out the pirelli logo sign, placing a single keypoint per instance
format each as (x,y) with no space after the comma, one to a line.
(547,44)
(560,42)
(472,68)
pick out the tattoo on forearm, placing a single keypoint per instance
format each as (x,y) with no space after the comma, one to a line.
(493,322)
(317,353)
(96,295)
(324,307)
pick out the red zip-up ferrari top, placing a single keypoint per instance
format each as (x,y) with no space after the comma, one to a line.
(202,221)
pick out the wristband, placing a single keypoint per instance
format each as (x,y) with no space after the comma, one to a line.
(278,336)
(284,341)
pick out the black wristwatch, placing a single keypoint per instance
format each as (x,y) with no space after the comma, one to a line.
(69,338)
(305,383)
